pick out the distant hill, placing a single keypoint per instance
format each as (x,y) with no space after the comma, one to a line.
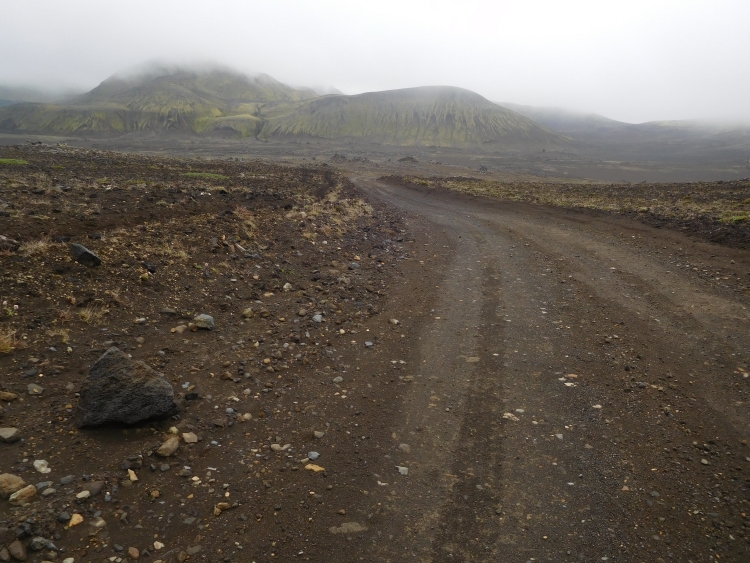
(178,101)
(566,121)
(651,140)
(227,103)
(427,116)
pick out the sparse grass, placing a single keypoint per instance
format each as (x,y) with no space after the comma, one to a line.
(63,333)
(66,315)
(721,201)
(12,162)
(33,247)
(8,340)
(206,175)
(248,221)
(731,217)
(92,314)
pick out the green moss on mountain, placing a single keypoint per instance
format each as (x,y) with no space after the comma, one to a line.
(181,101)
(223,103)
(433,116)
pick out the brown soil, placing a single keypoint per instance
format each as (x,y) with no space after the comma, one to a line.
(560,385)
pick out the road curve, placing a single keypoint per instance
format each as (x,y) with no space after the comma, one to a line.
(579,397)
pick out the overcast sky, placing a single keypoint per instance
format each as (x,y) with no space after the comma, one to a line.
(633,60)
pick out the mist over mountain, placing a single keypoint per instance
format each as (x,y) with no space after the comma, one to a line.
(220,101)
(19,94)
(166,101)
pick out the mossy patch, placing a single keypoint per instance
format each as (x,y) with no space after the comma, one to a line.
(12,162)
(206,175)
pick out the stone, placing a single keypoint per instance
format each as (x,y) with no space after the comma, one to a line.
(9,484)
(4,554)
(23,496)
(338,379)
(84,256)
(8,396)
(404,448)
(98,523)
(312,456)
(67,480)
(354,266)
(169,447)
(10,435)
(402,470)
(38,543)
(8,244)
(318,318)
(35,389)
(190,438)
(83,495)
(120,390)
(248,313)
(42,466)
(133,553)
(75,520)
(204,321)
(17,551)
(318,434)
(94,487)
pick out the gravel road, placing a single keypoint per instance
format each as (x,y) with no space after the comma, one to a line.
(581,391)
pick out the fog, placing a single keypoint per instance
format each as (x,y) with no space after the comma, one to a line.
(634,61)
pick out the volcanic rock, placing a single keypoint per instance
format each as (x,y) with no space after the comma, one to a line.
(120,390)
(84,256)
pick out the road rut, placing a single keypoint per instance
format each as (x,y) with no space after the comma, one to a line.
(577,398)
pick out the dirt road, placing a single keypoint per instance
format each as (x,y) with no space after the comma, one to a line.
(579,393)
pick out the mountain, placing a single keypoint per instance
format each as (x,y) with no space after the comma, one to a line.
(222,102)
(180,101)
(566,121)
(683,140)
(431,115)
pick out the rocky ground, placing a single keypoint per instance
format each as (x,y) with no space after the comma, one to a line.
(358,370)
(292,267)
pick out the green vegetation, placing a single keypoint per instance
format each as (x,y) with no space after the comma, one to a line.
(428,116)
(181,101)
(12,162)
(206,175)
(224,103)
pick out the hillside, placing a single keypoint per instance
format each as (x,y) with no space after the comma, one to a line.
(435,115)
(682,140)
(221,102)
(178,101)
(567,121)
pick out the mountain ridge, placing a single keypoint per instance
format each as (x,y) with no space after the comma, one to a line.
(425,115)
(222,102)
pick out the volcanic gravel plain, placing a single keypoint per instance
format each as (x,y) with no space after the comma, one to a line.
(398,369)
